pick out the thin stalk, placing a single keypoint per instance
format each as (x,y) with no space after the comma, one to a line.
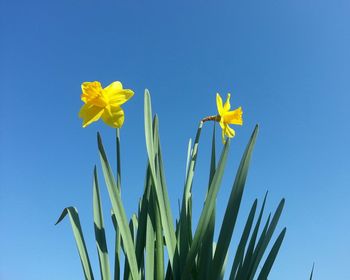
(117,233)
(118,158)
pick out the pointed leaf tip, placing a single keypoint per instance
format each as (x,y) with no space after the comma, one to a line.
(63,214)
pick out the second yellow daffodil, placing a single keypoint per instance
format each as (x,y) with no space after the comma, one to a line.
(228,117)
(103,103)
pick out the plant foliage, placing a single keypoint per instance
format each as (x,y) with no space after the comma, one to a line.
(191,253)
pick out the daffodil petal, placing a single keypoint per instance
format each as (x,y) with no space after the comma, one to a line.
(90,90)
(219,104)
(90,113)
(227,105)
(222,124)
(121,97)
(114,87)
(234,117)
(113,116)
(229,132)
(116,94)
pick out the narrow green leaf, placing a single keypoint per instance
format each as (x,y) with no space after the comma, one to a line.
(100,235)
(159,250)
(206,251)
(251,269)
(243,270)
(161,172)
(259,252)
(232,208)
(142,219)
(243,241)
(149,250)
(188,158)
(133,230)
(164,192)
(116,247)
(312,271)
(264,273)
(117,255)
(79,239)
(118,209)
(206,213)
(183,241)
(167,222)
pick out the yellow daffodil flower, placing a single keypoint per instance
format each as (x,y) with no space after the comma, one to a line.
(103,103)
(227,117)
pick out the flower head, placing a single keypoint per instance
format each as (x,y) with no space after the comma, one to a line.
(228,117)
(103,103)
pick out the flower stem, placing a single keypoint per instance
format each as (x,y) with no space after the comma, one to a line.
(117,233)
(118,158)
(215,118)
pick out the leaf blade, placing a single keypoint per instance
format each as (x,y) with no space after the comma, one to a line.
(232,209)
(79,239)
(119,211)
(100,235)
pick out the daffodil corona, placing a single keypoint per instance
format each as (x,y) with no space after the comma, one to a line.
(226,117)
(103,103)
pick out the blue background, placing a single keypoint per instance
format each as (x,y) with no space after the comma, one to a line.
(287,63)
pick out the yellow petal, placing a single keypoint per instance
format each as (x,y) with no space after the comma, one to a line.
(90,90)
(229,132)
(222,124)
(90,113)
(234,117)
(116,94)
(219,104)
(113,116)
(121,97)
(227,105)
(114,87)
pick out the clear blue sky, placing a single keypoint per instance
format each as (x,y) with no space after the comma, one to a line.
(287,63)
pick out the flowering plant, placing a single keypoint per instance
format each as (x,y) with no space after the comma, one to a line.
(191,252)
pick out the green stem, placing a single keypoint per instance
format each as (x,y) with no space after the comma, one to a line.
(117,234)
(118,158)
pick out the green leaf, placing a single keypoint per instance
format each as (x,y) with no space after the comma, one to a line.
(206,214)
(116,248)
(232,208)
(100,231)
(142,219)
(189,152)
(312,271)
(243,241)
(166,218)
(150,237)
(161,172)
(206,251)
(264,273)
(117,255)
(185,234)
(79,239)
(243,270)
(159,247)
(261,247)
(118,209)
(133,224)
